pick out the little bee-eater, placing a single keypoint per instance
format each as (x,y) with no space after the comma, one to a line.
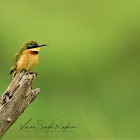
(26,58)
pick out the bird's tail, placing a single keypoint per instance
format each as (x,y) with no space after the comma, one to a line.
(11,71)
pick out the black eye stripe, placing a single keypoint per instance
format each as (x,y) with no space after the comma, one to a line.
(33,47)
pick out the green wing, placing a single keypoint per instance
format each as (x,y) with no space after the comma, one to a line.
(15,61)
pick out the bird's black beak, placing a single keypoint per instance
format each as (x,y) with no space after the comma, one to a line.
(42,45)
(38,46)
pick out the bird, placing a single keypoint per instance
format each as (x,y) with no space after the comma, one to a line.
(26,58)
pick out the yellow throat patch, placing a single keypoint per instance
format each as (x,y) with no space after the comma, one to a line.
(35,49)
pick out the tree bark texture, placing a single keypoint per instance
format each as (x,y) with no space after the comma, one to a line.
(16,99)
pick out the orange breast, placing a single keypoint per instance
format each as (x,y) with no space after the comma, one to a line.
(28,61)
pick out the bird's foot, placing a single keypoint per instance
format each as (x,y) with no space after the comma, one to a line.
(24,70)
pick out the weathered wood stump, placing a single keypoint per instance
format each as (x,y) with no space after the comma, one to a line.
(16,99)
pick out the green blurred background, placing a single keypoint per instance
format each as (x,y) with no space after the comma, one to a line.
(90,73)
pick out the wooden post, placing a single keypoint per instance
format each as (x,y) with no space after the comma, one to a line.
(16,99)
